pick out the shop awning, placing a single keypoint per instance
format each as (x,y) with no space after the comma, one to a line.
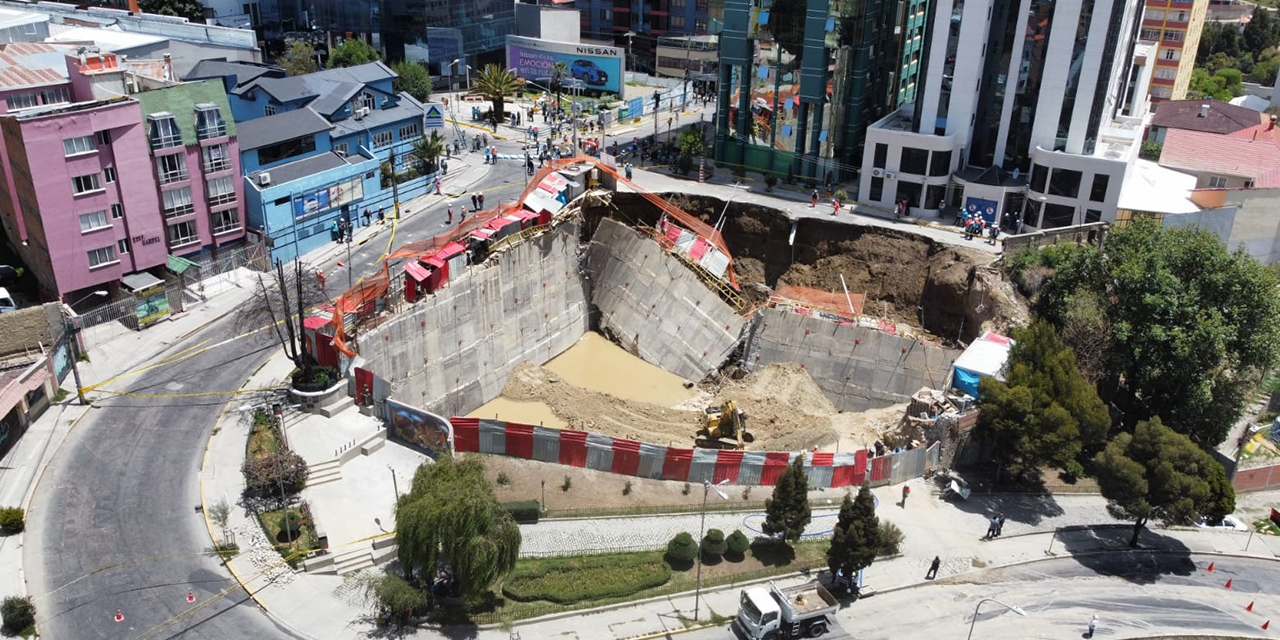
(416,271)
(178,265)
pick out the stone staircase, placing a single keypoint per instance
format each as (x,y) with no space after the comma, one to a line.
(324,472)
(353,561)
(366,555)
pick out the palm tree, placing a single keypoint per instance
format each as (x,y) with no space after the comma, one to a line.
(428,150)
(558,73)
(496,83)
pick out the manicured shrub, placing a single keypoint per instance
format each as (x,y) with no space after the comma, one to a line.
(713,544)
(18,613)
(12,519)
(586,578)
(890,538)
(737,543)
(524,511)
(682,548)
(266,475)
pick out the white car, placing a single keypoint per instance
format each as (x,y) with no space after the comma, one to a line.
(1228,523)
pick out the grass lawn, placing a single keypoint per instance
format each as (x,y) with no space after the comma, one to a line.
(293,552)
(262,438)
(498,608)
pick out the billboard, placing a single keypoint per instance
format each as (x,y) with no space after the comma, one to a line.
(430,433)
(599,68)
(334,195)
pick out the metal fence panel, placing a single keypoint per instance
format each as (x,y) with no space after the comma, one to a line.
(546,444)
(652,457)
(493,437)
(934,456)
(752,467)
(599,452)
(819,477)
(703,466)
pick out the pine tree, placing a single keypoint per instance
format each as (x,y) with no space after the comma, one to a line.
(787,513)
(856,539)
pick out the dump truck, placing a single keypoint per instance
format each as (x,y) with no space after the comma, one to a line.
(724,426)
(802,611)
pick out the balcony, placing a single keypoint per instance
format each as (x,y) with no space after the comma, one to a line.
(215,166)
(221,199)
(178,211)
(168,177)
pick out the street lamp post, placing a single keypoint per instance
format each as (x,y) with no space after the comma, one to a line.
(706,488)
(1017,610)
(75,333)
(468,72)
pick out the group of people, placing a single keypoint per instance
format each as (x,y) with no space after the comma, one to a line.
(995,527)
(341,229)
(835,203)
(974,225)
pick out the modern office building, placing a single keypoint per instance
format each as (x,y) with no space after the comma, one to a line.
(1175,26)
(1030,108)
(800,82)
(640,25)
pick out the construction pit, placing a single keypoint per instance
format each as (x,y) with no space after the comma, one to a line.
(596,326)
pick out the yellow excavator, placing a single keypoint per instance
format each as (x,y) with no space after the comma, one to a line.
(723,427)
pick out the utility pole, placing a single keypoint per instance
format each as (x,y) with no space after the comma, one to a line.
(657,100)
(73,354)
(395,185)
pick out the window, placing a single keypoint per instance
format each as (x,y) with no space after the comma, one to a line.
(1166,73)
(1065,182)
(1217,182)
(1154,14)
(1149,34)
(221,190)
(882,156)
(340,149)
(215,158)
(101,257)
(109,174)
(224,221)
(1172,54)
(366,101)
(677,22)
(163,131)
(57,95)
(268,110)
(935,195)
(700,25)
(410,132)
(1172,35)
(909,191)
(122,246)
(77,146)
(606,14)
(93,221)
(941,164)
(21,101)
(701,6)
(287,149)
(1182,16)
(1058,215)
(171,168)
(177,202)
(677,4)
(1161,92)
(117,211)
(209,122)
(877,189)
(85,184)
(914,161)
(182,234)
(1092,215)
(1098,193)
(382,139)
(1039,174)
(104,138)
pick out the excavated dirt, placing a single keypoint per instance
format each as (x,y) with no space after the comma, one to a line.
(951,292)
(785,408)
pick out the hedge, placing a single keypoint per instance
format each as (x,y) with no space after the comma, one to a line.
(586,578)
(12,519)
(713,544)
(18,613)
(682,548)
(524,511)
(738,542)
(264,476)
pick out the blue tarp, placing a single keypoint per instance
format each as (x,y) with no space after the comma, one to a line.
(966,381)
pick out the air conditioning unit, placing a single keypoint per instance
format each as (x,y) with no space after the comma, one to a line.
(877,173)
(362,112)
(264,179)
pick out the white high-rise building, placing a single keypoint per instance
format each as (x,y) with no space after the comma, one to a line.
(1031,111)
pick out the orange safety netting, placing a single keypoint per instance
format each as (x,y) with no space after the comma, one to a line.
(836,303)
(362,297)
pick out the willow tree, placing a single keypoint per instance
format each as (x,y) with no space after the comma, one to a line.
(451,518)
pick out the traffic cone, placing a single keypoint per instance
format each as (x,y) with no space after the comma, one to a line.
(1250,607)
(1210,569)
(1229,583)
(191,596)
(1265,625)
(119,616)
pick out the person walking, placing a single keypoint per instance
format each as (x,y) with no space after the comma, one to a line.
(1093,626)
(463,216)
(999,524)
(438,187)
(382,215)
(486,155)
(906,490)
(813,199)
(991,528)
(493,151)
(449,210)
(628,168)
(835,208)
(933,568)
(474,204)
(335,232)
(480,197)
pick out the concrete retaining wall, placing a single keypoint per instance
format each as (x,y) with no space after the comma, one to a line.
(855,376)
(656,307)
(453,352)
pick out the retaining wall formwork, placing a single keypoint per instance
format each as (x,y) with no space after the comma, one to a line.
(453,351)
(858,368)
(656,307)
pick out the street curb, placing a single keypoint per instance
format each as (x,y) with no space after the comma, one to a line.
(35,481)
(484,129)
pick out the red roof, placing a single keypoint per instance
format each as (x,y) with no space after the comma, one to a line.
(450,250)
(498,223)
(315,322)
(30,64)
(1250,153)
(416,271)
(434,262)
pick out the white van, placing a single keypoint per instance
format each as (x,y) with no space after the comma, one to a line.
(6,301)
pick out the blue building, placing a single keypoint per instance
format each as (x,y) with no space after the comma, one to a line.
(297,186)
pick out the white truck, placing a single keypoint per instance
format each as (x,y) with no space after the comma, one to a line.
(802,611)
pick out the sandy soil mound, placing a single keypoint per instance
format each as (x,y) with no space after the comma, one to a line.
(786,410)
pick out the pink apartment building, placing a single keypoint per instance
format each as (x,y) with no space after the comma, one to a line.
(97,189)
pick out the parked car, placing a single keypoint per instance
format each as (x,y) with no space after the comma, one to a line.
(6,301)
(588,72)
(1229,523)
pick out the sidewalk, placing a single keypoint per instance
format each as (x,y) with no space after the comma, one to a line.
(22,466)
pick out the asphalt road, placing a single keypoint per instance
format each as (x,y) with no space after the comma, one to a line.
(1143,596)
(113,524)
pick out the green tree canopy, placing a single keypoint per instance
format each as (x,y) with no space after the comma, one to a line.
(1262,32)
(787,513)
(298,59)
(450,515)
(189,9)
(1044,412)
(1218,38)
(427,150)
(496,83)
(1156,473)
(1192,326)
(413,79)
(352,52)
(856,539)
